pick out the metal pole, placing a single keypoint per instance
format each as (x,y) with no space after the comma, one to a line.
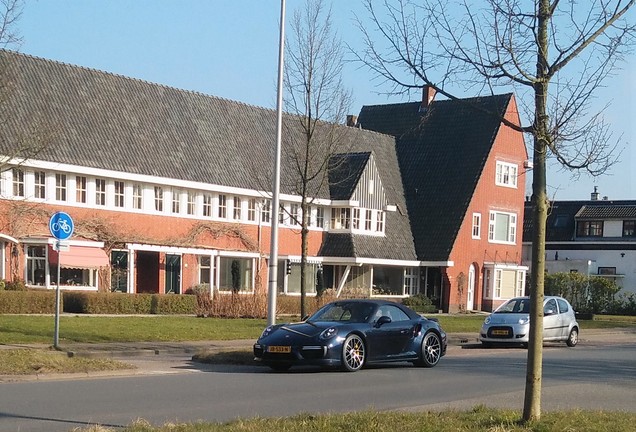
(56,340)
(273,254)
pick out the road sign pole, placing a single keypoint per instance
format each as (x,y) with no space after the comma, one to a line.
(56,340)
(61,226)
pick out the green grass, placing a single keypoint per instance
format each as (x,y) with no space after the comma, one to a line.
(34,361)
(477,419)
(16,329)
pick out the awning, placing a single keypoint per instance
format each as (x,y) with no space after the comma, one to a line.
(81,257)
(8,238)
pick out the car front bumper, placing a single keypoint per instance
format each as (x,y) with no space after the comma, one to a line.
(504,333)
(315,355)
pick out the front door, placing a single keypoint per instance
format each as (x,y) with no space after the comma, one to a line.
(173,274)
(470,299)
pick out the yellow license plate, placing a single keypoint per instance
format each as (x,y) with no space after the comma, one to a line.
(279,349)
(500,332)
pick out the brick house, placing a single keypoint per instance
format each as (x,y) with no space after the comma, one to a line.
(168,190)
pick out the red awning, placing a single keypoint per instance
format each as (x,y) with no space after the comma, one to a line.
(81,257)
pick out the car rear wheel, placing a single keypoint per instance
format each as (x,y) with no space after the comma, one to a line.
(573,338)
(353,353)
(431,350)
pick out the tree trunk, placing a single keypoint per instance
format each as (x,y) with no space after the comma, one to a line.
(304,233)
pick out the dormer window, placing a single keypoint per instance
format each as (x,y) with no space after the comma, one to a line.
(341,218)
(589,228)
(629,228)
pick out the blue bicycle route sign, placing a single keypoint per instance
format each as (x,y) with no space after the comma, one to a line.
(61,226)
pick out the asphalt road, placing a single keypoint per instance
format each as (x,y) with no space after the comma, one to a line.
(594,375)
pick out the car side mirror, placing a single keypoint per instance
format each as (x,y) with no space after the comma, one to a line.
(382,320)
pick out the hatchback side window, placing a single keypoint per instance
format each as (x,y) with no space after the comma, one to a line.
(550,308)
(563,306)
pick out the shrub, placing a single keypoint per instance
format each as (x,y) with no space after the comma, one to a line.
(587,294)
(124,303)
(27,302)
(15,285)
(420,303)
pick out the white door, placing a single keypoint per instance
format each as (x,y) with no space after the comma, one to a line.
(470,303)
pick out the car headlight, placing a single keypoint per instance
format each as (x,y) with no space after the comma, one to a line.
(487,320)
(268,330)
(328,333)
(524,320)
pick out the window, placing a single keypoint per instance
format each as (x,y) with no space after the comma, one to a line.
(119,193)
(476,225)
(192,203)
(222,207)
(379,226)
(356,218)
(80,189)
(605,271)
(40,184)
(119,271)
(629,228)
(506,174)
(100,192)
(207,205)
(589,228)
(521,275)
(176,201)
(502,227)
(60,187)
(204,269)
(411,277)
(236,214)
(18,182)
(251,209)
(498,280)
(281,215)
(340,218)
(320,217)
(159,198)
(235,274)
(368,220)
(36,265)
(266,211)
(294,214)
(137,192)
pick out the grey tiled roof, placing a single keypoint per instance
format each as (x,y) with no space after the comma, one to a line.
(607,212)
(441,152)
(101,120)
(344,173)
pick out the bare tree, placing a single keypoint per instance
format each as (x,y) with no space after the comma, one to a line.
(316,95)
(32,139)
(554,53)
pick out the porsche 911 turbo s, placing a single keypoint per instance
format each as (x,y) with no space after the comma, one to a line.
(350,334)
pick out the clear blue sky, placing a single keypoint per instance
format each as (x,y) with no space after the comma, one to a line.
(229,48)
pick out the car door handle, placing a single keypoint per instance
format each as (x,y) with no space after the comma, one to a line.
(405,331)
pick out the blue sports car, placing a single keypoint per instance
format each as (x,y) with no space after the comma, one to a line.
(351,334)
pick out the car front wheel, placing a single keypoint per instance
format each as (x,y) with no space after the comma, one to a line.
(431,350)
(353,353)
(573,338)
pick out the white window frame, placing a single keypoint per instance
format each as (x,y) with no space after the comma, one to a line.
(100,192)
(355,219)
(120,194)
(506,174)
(60,187)
(236,208)
(320,217)
(476,230)
(207,205)
(81,189)
(158,198)
(18,182)
(222,207)
(251,210)
(379,225)
(39,179)
(191,206)
(511,232)
(520,283)
(498,281)
(137,196)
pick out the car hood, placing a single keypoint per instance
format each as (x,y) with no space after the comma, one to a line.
(507,318)
(307,329)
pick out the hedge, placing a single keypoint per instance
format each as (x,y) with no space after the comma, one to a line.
(123,303)
(28,302)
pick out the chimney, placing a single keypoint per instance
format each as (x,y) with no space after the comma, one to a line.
(352,120)
(594,195)
(428,94)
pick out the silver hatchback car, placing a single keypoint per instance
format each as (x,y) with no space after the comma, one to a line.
(510,322)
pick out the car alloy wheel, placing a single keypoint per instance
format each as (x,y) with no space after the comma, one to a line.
(431,350)
(573,338)
(353,353)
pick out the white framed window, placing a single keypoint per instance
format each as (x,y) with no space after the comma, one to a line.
(294,211)
(40,184)
(355,219)
(80,189)
(159,198)
(281,215)
(340,218)
(487,281)
(506,174)
(520,283)
(266,211)
(207,205)
(100,192)
(476,225)
(502,227)
(60,187)
(205,266)
(368,220)
(192,203)
(137,196)
(251,209)
(222,209)
(176,201)
(236,214)
(18,182)
(379,226)
(119,193)
(411,278)
(498,281)
(36,265)
(320,217)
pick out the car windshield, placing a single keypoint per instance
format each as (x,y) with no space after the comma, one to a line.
(514,306)
(356,312)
